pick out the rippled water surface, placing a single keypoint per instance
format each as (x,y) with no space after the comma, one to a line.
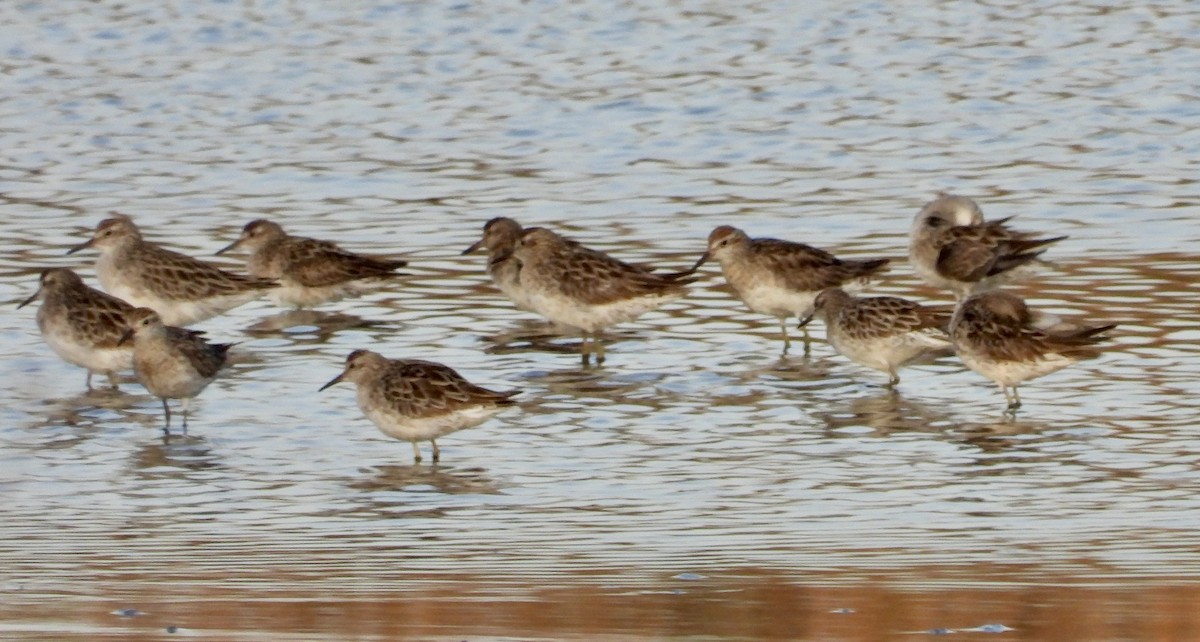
(699,485)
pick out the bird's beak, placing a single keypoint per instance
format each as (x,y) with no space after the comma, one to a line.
(805,321)
(29,300)
(474,246)
(82,246)
(125,337)
(703,259)
(335,380)
(228,247)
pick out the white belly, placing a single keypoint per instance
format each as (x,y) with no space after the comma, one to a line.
(1012,373)
(427,428)
(887,354)
(593,318)
(83,354)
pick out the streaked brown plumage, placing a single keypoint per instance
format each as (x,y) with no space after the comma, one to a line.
(588,289)
(500,237)
(81,324)
(782,278)
(995,334)
(182,289)
(414,400)
(171,362)
(882,332)
(311,271)
(951,246)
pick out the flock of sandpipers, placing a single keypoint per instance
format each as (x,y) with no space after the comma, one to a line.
(153,292)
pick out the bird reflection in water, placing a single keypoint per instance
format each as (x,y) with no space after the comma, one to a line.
(174,456)
(886,411)
(449,480)
(321,324)
(412,490)
(94,408)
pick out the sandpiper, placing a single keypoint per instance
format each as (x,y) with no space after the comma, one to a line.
(171,362)
(183,290)
(310,271)
(413,400)
(588,289)
(783,278)
(500,237)
(995,334)
(885,333)
(952,247)
(82,325)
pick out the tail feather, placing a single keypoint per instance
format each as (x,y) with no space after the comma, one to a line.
(1023,244)
(223,348)
(870,266)
(1012,261)
(1082,344)
(1090,334)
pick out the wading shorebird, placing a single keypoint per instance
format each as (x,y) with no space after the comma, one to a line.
(183,290)
(310,271)
(414,401)
(783,278)
(952,247)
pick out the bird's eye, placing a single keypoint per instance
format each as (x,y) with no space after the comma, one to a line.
(934,222)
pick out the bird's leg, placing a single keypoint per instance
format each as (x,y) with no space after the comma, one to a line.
(584,348)
(783,328)
(1013,400)
(167,413)
(89,380)
(807,341)
(184,402)
(112,378)
(437,454)
(598,348)
(416,453)
(894,380)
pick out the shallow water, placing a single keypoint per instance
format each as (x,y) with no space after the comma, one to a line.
(698,486)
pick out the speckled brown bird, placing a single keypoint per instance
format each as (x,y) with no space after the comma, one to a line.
(183,290)
(414,401)
(81,324)
(952,247)
(500,238)
(783,278)
(995,334)
(310,271)
(885,333)
(587,289)
(171,362)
